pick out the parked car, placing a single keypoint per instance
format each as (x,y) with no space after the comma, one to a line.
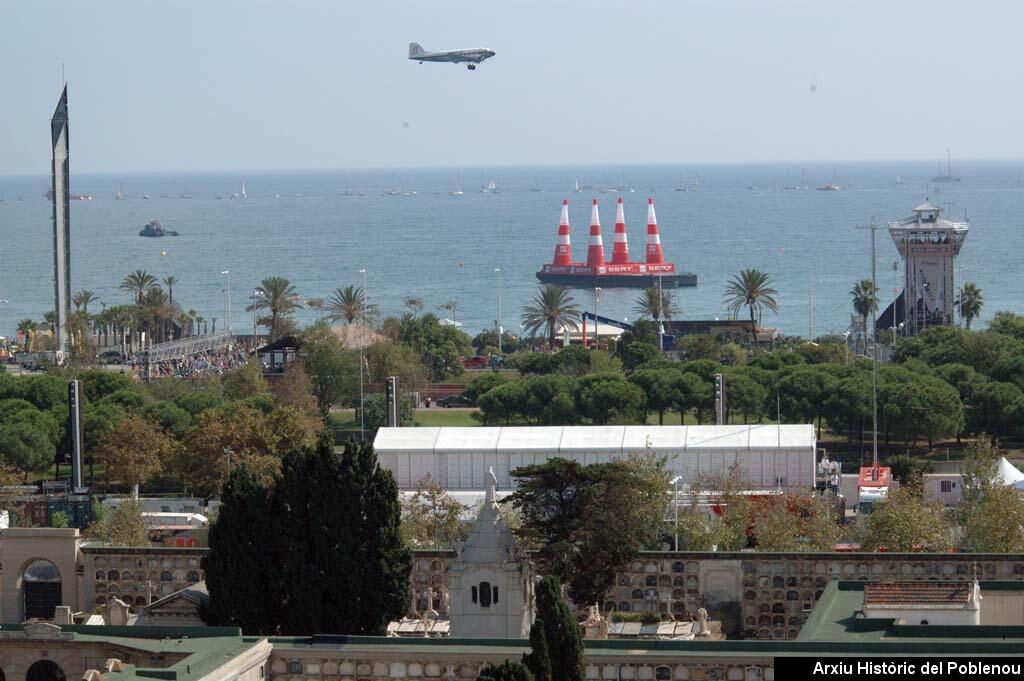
(478,362)
(111,357)
(455,401)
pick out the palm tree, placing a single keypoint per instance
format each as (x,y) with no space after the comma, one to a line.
(51,320)
(137,283)
(971,303)
(277,295)
(156,310)
(451,306)
(25,328)
(657,304)
(414,304)
(751,288)
(169,282)
(865,301)
(316,304)
(82,298)
(347,303)
(552,307)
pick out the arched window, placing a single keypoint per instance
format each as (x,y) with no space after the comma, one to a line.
(193,576)
(485,594)
(41,589)
(165,576)
(114,575)
(100,575)
(45,670)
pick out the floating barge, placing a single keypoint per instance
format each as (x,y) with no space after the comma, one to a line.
(620,272)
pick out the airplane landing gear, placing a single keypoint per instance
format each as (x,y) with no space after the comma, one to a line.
(471,67)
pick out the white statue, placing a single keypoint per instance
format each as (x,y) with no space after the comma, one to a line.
(702,622)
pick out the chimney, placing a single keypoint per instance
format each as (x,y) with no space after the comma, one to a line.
(563,248)
(620,248)
(595,249)
(654,254)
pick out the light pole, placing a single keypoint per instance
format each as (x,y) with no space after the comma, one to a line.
(362,422)
(256,293)
(520,336)
(597,336)
(498,272)
(846,341)
(227,298)
(675,507)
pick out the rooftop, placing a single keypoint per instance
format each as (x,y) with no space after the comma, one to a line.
(896,594)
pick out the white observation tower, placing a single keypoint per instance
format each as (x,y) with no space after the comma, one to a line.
(928,244)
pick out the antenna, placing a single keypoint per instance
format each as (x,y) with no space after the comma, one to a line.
(63,80)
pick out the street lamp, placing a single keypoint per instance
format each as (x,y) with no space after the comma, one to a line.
(846,341)
(675,506)
(498,271)
(227,297)
(597,299)
(362,422)
(256,293)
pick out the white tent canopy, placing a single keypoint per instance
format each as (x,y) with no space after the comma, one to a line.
(1008,474)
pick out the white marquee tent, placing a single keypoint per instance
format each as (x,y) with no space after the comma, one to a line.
(767,456)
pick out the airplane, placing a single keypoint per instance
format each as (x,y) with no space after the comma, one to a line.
(473,56)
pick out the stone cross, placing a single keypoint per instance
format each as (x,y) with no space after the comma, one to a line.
(149,589)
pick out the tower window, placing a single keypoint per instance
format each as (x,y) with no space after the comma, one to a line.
(472,590)
(485,594)
(495,595)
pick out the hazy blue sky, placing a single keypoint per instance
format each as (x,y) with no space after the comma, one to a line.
(326,84)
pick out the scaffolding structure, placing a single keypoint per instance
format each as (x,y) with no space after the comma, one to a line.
(187,347)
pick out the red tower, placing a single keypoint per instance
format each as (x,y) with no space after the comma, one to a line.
(654,254)
(595,249)
(563,247)
(620,247)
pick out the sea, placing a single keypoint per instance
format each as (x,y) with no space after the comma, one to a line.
(320,229)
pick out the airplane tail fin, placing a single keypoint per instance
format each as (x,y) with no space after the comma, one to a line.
(415,50)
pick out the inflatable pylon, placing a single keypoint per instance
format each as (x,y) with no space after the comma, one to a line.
(563,247)
(595,249)
(654,253)
(620,247)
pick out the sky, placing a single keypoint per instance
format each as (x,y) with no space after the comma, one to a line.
(322,84)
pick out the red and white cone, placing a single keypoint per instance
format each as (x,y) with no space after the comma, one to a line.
(654,254)
(563,247)
(595,249)
(620,247)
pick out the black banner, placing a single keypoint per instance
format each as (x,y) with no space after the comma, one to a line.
(934,667)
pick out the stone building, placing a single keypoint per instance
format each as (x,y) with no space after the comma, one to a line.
(490,583)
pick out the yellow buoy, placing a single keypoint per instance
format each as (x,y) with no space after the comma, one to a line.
(163,252)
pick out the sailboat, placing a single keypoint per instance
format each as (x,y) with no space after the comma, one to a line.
(948,177)
(458,188)
(243,189)
(899,180)
(578,187)
(490,188)
(120,194)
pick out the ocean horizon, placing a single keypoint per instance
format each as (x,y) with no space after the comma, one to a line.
(319,228)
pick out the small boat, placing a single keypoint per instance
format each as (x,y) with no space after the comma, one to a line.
(899,180)
(155,229)
(145,196)
(489,188)
(81,197)
(829,187)
(184,196)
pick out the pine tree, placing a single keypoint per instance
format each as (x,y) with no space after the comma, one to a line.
(241,568)
(506,671)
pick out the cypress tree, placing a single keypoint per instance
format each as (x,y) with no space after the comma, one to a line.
(561,632)
(538,661)
(242,567)
(387,561)
(506,671)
